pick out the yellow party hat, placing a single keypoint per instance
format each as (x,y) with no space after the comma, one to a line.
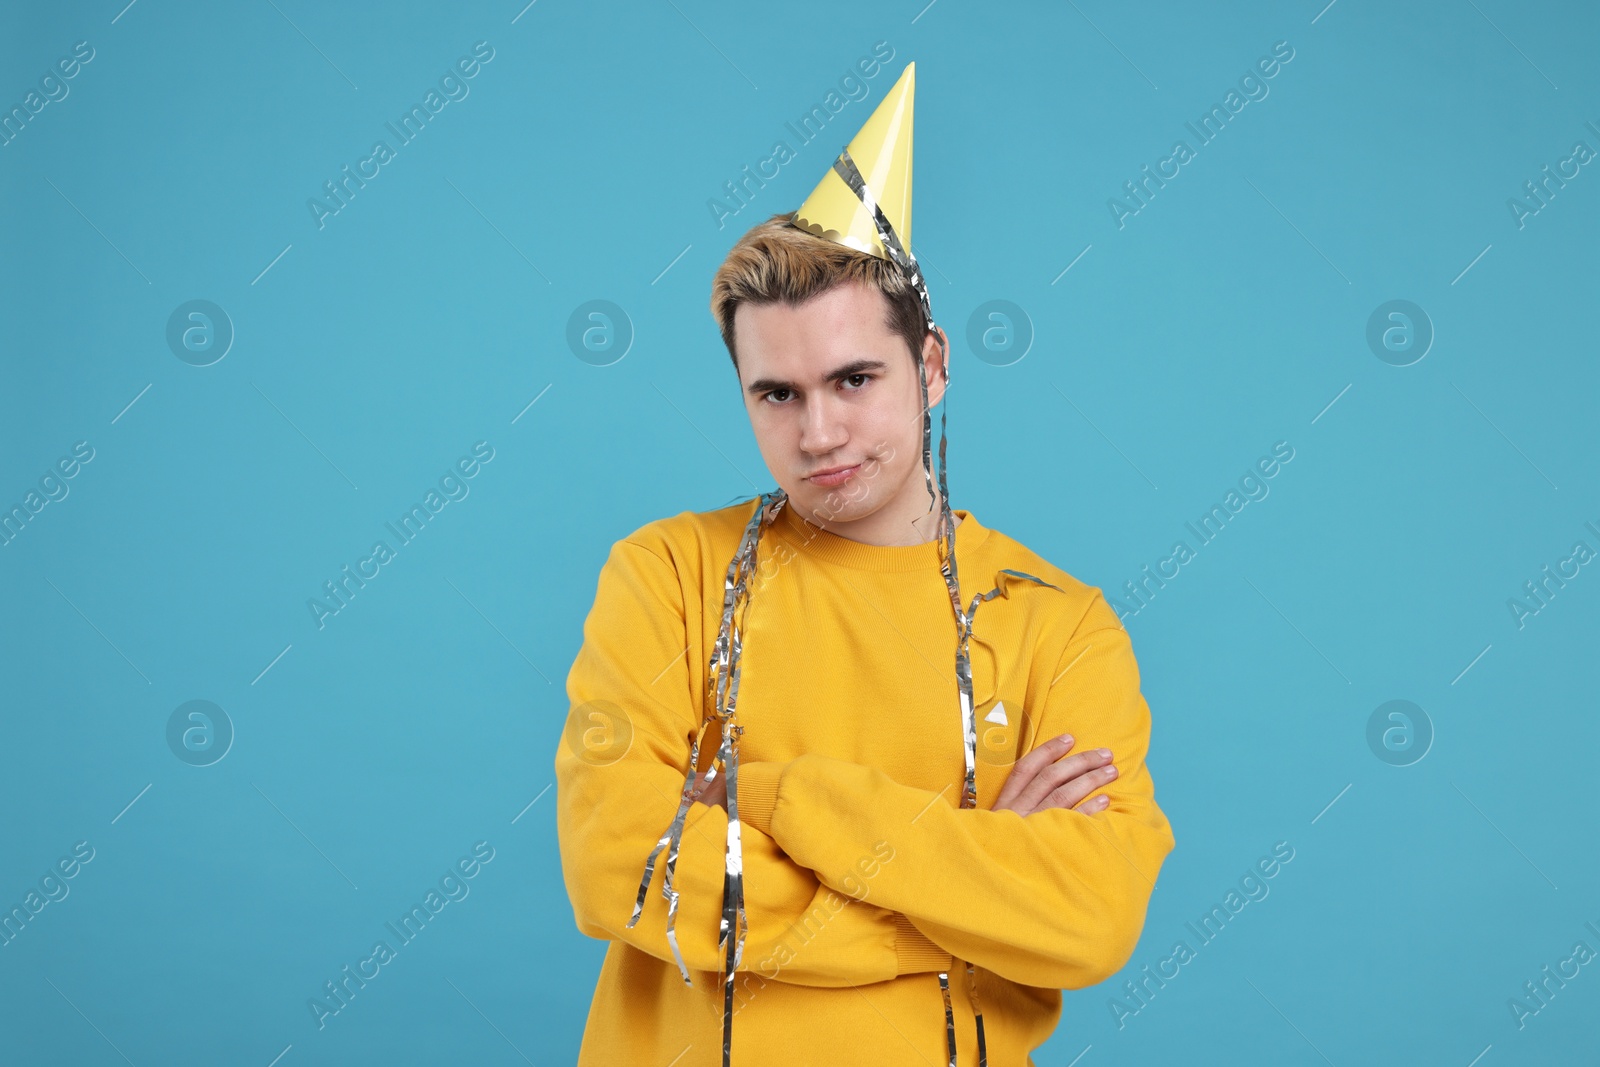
(881,150)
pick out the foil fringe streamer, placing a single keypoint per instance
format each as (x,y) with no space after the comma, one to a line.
(724,669)
(725,663)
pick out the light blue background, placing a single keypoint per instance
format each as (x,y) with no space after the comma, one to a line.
(429,312)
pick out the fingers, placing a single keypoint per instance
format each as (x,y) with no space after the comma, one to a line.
(1071,780)
(1067,781)
(1024,770)
(712,795)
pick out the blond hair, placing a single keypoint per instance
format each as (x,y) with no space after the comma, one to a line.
(777,261)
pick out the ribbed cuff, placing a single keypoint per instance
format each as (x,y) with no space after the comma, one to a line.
(915,952)
(758,793)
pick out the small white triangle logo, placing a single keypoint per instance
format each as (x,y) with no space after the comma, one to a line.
(998,715)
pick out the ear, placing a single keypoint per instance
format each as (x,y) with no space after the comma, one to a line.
(933,366)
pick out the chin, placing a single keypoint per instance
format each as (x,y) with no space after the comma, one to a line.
(827,507)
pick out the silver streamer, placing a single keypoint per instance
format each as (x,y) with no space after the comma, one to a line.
(725,666)
(724,670)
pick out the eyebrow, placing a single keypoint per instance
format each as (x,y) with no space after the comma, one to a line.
(763,385)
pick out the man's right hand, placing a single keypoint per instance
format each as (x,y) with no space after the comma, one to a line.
(716,795)
(1049,778)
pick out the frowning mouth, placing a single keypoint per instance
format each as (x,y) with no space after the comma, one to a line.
(834,475)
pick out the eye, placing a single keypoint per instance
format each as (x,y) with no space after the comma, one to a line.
(865,378)
(772,393)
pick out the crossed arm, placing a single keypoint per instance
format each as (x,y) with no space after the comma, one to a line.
(611,811)
(1056,899)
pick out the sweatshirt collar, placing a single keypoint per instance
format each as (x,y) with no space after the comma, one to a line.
(820,544)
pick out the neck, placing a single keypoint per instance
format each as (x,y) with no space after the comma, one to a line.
(896,523)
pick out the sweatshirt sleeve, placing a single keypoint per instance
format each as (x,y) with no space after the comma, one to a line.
(1056,899)
(619,770)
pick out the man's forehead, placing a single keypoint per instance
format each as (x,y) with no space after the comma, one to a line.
(810,339)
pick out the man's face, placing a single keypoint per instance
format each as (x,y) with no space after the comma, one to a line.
(827,385)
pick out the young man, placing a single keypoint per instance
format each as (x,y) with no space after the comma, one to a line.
(884,859)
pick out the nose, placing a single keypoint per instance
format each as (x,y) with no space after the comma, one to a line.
(821,430)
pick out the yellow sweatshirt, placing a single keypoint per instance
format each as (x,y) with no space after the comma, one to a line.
(863,877)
